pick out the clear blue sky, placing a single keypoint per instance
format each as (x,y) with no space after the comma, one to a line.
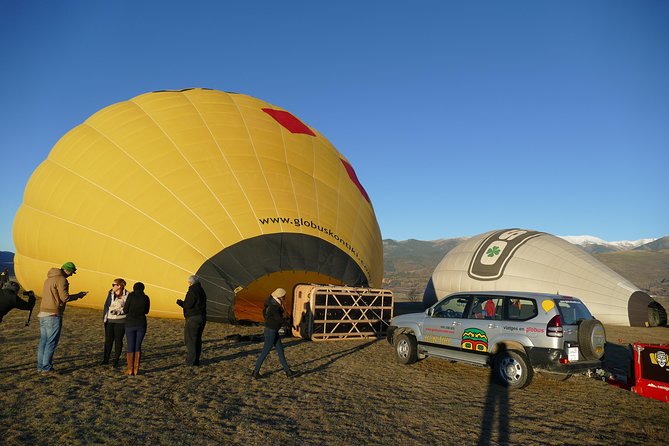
(459,117)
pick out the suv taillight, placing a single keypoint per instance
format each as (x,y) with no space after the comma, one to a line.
(554,327)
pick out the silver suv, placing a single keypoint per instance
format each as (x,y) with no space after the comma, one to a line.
(512,332)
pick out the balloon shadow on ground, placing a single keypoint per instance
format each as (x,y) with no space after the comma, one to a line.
(496,403)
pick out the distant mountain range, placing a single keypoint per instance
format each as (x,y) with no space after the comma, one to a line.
(595,245)
(408,264)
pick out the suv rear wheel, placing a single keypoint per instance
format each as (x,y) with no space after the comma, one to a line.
(512,369)
(591,339)
(406,351)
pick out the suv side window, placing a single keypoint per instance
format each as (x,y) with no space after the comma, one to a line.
(520,309)
(486,307)
(453,307)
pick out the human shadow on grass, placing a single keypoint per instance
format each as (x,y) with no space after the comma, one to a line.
(618,361)
(174,352)
(254,352)
(213,349)
(332,358)
(19,367)
(16,340)
(496,406)
(63,364)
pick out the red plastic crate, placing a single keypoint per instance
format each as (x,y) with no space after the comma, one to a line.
(651,371)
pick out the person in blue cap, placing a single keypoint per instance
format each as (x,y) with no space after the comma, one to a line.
(55,295)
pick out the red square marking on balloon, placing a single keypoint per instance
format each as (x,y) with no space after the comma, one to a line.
(354,178)
(289,121)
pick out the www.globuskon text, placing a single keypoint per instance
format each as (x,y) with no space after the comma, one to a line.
(298,222)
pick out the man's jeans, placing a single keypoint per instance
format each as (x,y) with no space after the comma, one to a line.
(49,335)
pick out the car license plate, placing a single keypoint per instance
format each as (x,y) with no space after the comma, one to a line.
(572,353)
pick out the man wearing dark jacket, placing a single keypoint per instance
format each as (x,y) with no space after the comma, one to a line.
(9,299)
(195,312)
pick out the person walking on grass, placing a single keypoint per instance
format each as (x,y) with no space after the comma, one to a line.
(274,320)
(136,307)
(113,318)
(55,295)
(195,312)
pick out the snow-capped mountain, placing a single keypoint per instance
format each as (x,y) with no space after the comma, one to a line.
(597,245)
(436,249)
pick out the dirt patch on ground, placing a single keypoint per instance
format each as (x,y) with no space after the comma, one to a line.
(349,392)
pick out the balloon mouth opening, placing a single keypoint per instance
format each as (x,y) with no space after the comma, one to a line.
(249,300)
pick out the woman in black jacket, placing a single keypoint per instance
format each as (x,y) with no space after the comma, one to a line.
(136,308)
(195,312)
(274,319)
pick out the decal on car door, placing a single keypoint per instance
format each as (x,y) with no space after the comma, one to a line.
(474,339)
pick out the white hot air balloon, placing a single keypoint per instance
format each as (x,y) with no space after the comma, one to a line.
(533,261)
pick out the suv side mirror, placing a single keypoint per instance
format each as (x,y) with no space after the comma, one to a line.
(429,312)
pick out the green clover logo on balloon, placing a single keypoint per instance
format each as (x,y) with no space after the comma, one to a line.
(493,251)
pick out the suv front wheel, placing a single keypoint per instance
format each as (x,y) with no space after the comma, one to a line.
(406,351)
(512,369)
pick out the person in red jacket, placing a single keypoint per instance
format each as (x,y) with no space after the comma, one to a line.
(489,309)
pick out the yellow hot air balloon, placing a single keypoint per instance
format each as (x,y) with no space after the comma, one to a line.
(172,183)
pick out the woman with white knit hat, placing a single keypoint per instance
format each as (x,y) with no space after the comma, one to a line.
(274,319)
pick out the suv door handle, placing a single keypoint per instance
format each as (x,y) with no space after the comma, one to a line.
(493,326)
(456,323)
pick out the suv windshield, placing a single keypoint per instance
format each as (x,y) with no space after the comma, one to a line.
(572,311)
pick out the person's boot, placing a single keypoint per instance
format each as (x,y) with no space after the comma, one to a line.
(290,373)
(129,358)
(135,369)
(256,374)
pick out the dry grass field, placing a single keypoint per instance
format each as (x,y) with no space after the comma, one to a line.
(349,392)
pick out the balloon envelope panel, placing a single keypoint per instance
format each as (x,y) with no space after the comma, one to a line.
(174,183)
(532,261)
